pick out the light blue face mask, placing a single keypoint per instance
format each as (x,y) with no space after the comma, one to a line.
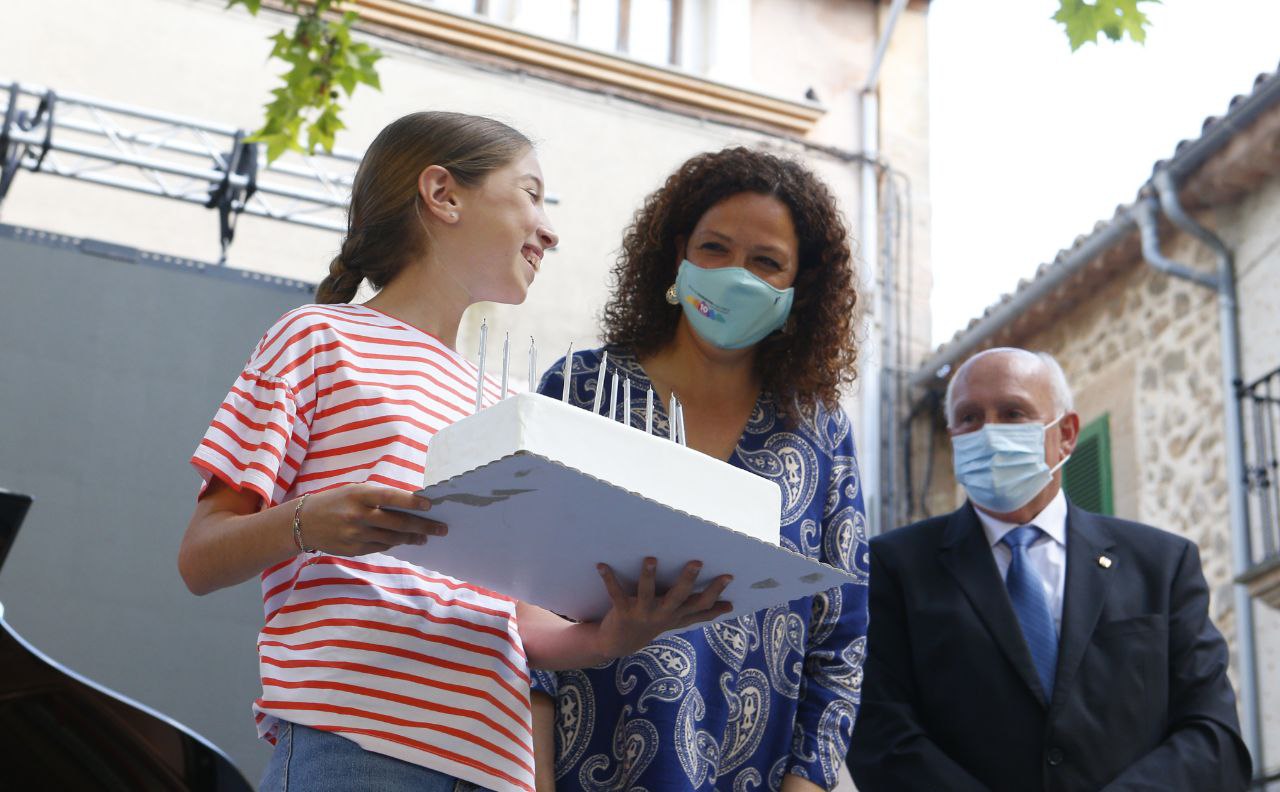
(1002,466)
(730,307)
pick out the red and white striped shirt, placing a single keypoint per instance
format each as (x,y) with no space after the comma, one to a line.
(404,661)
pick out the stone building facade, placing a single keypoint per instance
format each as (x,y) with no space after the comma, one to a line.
(1142,350)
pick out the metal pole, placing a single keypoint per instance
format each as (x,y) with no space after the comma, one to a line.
(870,209)
(131,148)
(1241,550)
(1237,486)
(888,367)
(882,46)
(880,332)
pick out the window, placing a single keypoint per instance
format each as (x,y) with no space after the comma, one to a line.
(1087,475)
(549,18)
(706,37)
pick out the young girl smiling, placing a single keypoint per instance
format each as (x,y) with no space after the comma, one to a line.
(378,674)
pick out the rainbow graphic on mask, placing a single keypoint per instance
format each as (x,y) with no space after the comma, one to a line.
(705,308)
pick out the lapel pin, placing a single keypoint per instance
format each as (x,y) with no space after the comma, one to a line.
(1104,562)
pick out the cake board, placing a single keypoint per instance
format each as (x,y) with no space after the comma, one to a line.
(534,525)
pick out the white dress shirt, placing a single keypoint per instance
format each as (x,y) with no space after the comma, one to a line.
(1048,553)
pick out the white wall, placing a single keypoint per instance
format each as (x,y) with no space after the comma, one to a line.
(600,154)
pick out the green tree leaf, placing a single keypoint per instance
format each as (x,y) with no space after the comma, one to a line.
(322,59)
(1085,20)
(252,5)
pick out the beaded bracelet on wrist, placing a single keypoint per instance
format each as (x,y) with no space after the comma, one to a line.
(297,527)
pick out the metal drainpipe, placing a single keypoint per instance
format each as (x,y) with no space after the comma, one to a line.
(1224,283)
(869,448)
(874,377)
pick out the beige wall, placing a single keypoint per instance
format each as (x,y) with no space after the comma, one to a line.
(166,55)
(825,45)
(1252,230)
(904,145)
(601,154)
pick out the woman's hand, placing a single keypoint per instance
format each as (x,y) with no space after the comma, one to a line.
(555,644)
(354,520)
(634,620)
(794,783)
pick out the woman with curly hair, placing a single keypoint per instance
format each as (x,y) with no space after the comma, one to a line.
(735,290)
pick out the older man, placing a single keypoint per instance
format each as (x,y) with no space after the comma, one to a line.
(1021,643)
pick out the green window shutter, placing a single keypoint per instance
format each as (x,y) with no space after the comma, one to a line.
(1087,475)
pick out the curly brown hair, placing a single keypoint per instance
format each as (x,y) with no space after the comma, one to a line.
(805,363)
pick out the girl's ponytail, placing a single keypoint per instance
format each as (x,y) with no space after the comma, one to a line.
(344,277)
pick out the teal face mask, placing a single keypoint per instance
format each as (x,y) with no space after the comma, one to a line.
(730,307)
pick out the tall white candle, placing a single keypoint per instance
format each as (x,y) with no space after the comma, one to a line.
(626,400)
(533,365)
(613,398)
(604,364)
(506,363)
(484,339)
(567,374)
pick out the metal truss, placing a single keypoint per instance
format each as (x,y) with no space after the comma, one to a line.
(170,156)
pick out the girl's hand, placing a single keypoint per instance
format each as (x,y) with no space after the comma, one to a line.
(353,520)
(231,538)
(634,620)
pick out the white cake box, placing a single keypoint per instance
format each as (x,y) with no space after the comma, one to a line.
(536,492)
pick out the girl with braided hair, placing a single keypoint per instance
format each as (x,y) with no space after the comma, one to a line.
(376,673)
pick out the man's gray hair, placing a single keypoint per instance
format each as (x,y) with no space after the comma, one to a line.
(1063,400)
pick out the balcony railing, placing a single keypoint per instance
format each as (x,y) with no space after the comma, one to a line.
(1260,405)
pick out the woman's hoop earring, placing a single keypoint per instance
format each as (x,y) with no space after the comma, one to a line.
(672,297)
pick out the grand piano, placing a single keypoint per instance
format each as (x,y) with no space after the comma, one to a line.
(61,731)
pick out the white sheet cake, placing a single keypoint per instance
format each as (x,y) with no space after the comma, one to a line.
(536,492)
(648,465)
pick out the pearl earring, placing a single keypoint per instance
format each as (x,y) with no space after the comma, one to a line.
(672,296)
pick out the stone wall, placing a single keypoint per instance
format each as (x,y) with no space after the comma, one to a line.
(1144,351)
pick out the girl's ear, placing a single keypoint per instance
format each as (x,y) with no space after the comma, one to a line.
(440,195)
(682,249)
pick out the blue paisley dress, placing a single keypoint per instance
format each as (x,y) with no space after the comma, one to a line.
(737,705)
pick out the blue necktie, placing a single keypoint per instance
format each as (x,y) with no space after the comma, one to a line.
(1026,593)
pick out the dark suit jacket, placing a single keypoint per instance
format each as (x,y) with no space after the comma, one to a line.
(951,700)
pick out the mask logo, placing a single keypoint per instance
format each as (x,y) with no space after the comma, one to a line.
(703,307)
